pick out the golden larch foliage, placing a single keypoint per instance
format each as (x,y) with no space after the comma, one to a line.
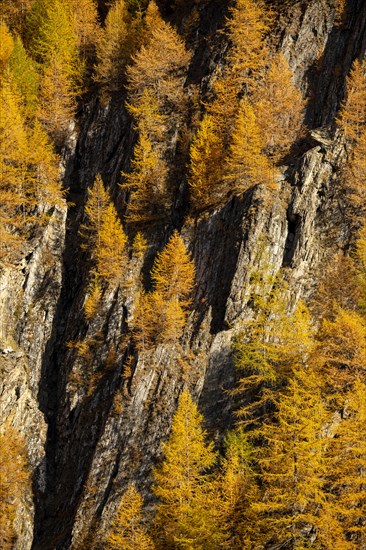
(279,108)
(127,530)
(246,164)
(206,165)
(185,515)
(93,299)
(173,271)
(347,466)
(6,45)
(352,116)
(14,481)
(147,181)
(111,250)
(160,65)
(292,462)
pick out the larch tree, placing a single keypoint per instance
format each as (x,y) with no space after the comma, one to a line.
(25,76)
(160,315)
(340,352)
(246,28)
(267,352)
(292,464)
(246,164)
(112,47)
(173,271)
(147,183)
(185,514)
(14,13)
(127,530)
(56,48)
(14,482)
(279,108)
(6,45)
(206,165)
(347,466)
(160,66)
(110,253)
(352,116)
(238,490)
(104,234)
(83,15)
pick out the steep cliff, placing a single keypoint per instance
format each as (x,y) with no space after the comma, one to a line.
(91,423)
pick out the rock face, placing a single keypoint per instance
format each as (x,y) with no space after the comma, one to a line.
(105,420)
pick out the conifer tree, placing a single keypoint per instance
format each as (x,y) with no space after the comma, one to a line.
(83,15)
(160,66)
(160,315)
(147,181)
(173,271)
(127,530)
(292,462)
(270,349)
(6,45)
(112,47)
(206,169)
(279,108)
(14,480)
(25,76)
(104,233)
(238,490)
(110,252)
(56,48)
(246,164)
(340,352)
(185,514)
(347,466)
(352,117)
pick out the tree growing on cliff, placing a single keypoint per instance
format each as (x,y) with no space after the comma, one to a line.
(104,233)
(147,182)
(347,466)
(14,481)
(352,116)
(160,315)
(160,66)
(186,516)
(246,164)
(278,108)
(127,530)
(206,165)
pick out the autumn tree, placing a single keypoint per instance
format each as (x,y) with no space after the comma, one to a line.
(160,315)
(352,116)
(113,48)
(270,348)
(347,464)
(173,271)
(279,108)
(147,182)
(14,481)
(292,468)
(104,234)
(127,530)
(246,164)
(56,48)
(206,165)
(110,252)
(340,352)
(238,489)
(83,15)
(25,76)
(186,515)
(160,66)
(246,27)
(6,45)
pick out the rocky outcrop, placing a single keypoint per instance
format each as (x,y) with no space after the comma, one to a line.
(107,410)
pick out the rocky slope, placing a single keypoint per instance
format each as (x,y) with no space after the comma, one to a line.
(90,423)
